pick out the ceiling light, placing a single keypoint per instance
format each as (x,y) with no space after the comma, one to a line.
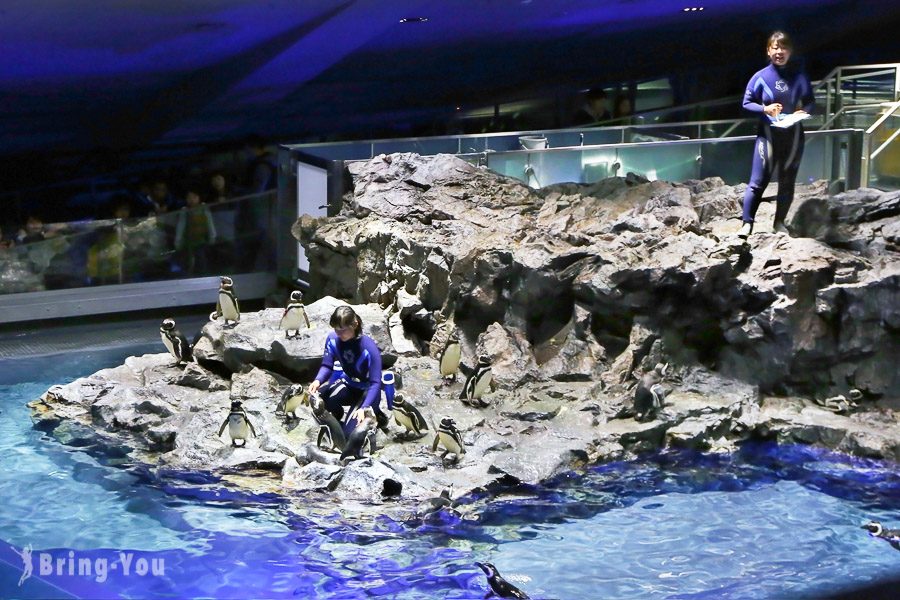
(692,9)
(413,19)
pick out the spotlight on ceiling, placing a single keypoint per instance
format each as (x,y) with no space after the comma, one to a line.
(413,19)
(692,9)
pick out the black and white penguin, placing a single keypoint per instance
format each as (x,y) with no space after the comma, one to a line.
(331,434)
(175,342)
(499,586)
(891,536)
(478,382)
(227,305)
(649,395)
(433,506)
(239,425)
(408,416)
(362,438)
(448,361)
(292,398)
(450,438)
(294,316)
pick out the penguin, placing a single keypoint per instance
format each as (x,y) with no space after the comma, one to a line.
(294,316)
(291,399)
(649,395)
(227,305)
(362,439)
(175,342)
(839,404)
(433,506)
(478,383)
(891,536)
(499,586)
(239,425)
(450,438)
(330,430)
(408,416)
(448,361)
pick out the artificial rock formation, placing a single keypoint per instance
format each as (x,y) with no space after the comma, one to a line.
(573,292)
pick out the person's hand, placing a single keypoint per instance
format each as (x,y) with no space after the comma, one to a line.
(314,386)
(358,415)
(773,110)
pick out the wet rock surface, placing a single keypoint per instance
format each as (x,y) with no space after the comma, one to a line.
(574,292)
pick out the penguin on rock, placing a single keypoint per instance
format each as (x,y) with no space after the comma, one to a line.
(294,316)
(175,342)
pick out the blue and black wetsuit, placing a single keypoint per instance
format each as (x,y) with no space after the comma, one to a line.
(776,148)
(360,385)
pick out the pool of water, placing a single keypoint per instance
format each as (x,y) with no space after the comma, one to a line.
(767,522)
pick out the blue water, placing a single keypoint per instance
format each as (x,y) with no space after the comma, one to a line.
(767,522)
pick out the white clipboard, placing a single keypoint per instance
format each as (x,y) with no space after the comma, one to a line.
(785,121)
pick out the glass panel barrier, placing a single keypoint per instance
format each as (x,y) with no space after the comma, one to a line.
(884,170)
(228,237)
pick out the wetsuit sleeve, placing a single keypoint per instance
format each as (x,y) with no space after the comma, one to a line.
(327,360)
(373,394)
(807,97)
(752,98)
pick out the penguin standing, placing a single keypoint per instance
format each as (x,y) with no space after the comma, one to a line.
(408,416)
(448,361)
(294,316)
(175,342)
(891,536)
(239,425)
(499,586)
(478,383)
(331,433)
(450,438)
(292,398)
(362,439)
(227,305)
(649,395)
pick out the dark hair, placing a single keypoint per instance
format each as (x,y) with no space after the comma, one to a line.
(596,94)
(344,316)
(780,38)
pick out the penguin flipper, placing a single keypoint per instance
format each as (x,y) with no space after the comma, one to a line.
(306,318)
(323,433)
(434,445)
(250,425)
(222,428)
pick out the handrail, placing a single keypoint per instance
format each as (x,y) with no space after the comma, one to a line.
(894,106)
(850,109)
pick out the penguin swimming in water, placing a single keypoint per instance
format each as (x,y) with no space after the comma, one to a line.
(433,506)
(408,416)
(227,305)
(294,316)
(477,383)
(292,398)
(450,438)
(175,342)
(239,425)
(891,536)
(331,433)
(649,395)
(362,439)
(499,586)
(448,361)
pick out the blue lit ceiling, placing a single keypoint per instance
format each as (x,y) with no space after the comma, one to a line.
(83,74)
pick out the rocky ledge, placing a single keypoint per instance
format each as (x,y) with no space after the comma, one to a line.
(575,293)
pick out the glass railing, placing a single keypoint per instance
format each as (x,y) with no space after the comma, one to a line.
(825,157)
(237,236)
(881,149)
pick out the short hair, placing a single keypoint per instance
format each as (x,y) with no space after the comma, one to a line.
(780,38)
(344,316)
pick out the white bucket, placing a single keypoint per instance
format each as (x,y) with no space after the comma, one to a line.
(533,142)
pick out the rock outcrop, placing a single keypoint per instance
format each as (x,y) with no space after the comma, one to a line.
(573,292)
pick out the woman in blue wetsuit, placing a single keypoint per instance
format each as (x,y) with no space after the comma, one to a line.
(360,384)
(773,93)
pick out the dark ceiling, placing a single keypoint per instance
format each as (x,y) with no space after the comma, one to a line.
(82,75)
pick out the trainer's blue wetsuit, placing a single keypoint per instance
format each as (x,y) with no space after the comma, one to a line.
(776,148)
(361,381)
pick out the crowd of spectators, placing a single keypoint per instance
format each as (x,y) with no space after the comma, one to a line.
(160,225)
